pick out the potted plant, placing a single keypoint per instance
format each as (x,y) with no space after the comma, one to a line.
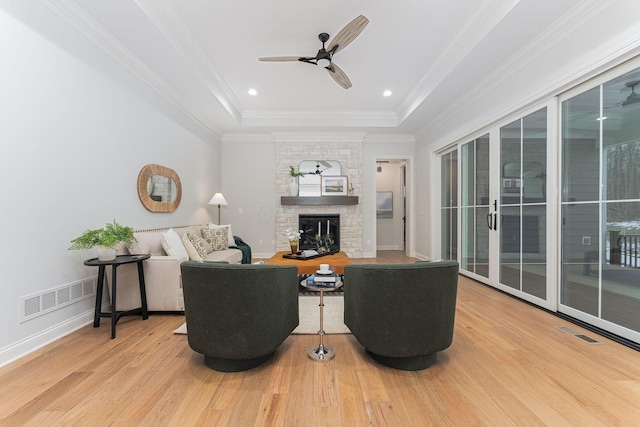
(293,184)
(293,236)
(105,240)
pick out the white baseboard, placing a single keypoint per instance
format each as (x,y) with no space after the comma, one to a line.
(422,257)
(30,344)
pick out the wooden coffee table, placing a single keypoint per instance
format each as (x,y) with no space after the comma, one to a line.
(310,266)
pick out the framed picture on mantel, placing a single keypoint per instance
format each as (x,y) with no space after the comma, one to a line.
(334,186)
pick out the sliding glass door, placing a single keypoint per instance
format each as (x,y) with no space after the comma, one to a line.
(600,205)
(503,207)
(474,206)
(523,204)
(449,205)
(556,224)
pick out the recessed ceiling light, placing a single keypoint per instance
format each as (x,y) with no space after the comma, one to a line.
(386,93)
(253,92)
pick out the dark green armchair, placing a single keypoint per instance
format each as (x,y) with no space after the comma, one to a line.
(402,314)
(238,314)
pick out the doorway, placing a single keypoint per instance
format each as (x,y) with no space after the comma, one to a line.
(392,207)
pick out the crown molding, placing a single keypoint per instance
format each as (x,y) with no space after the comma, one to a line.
(347,118)
(485,18)
(247,137)
(386,138)
(178,34)
(75,16)
(339,137)
(578,16)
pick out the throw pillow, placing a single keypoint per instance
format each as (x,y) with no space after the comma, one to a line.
(195,247)
(206,244)
(172,244)
(230,240)
(216,237)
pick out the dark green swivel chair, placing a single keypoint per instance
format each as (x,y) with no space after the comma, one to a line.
(238,314)
(402,314)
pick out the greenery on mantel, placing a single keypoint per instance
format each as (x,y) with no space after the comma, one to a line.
(293,172)
(109,237)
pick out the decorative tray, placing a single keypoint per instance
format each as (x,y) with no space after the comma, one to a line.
(301,257)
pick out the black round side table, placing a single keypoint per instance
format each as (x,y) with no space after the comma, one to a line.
(114,314)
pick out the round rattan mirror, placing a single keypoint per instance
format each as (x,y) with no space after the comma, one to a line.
(159,188)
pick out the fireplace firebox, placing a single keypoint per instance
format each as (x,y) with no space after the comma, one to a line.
(315,225)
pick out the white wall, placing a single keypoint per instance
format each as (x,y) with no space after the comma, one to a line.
(249,185)
(73,143)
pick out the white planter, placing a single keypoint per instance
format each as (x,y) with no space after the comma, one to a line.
(106,254)
(293,188)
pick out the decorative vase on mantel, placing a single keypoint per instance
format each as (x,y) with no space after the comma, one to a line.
(293,187)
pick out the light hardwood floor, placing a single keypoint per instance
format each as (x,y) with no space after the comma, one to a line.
(508,365)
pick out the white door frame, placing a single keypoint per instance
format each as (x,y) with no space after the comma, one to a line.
(410,249)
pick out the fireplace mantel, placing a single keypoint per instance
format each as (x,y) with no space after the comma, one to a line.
(317,201)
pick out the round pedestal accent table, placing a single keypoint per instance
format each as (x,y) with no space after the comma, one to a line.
(321,352)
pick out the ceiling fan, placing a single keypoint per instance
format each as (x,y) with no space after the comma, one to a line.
(325,165)
(633,97)
(324,57)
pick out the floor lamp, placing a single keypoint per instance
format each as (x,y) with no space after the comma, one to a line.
(218,199)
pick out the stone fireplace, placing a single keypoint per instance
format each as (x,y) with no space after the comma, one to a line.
(313,225)
(293,148)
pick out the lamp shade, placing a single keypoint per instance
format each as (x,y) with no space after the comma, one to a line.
(218,199)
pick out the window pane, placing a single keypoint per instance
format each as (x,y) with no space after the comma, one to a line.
(534,250)
(581,147)
(580,257)
(468,173)
(621,137)
(449,234)
(445,198)
(482,170)
(482,242)
(622,176)
(467,261)
(510,241)
(621,275)
(534,153)
(510,179)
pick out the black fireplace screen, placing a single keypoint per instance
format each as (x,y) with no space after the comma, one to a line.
(316,227)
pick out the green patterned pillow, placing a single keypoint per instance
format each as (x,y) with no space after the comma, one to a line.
(196,247)
(216,237)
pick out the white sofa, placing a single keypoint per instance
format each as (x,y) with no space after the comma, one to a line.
(163,282)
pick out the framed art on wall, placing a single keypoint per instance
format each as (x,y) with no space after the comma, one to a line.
(384,204)
(334,186)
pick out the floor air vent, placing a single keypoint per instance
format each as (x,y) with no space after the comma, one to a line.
(577,334)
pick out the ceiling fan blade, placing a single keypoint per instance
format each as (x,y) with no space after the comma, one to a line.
(279,58)
(348,33)
(339,76)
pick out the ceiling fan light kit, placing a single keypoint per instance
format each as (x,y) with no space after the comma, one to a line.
(324,57)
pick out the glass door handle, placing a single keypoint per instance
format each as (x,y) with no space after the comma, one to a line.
(489,224)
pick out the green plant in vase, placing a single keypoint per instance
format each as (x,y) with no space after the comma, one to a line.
(108,238)
(293,184)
